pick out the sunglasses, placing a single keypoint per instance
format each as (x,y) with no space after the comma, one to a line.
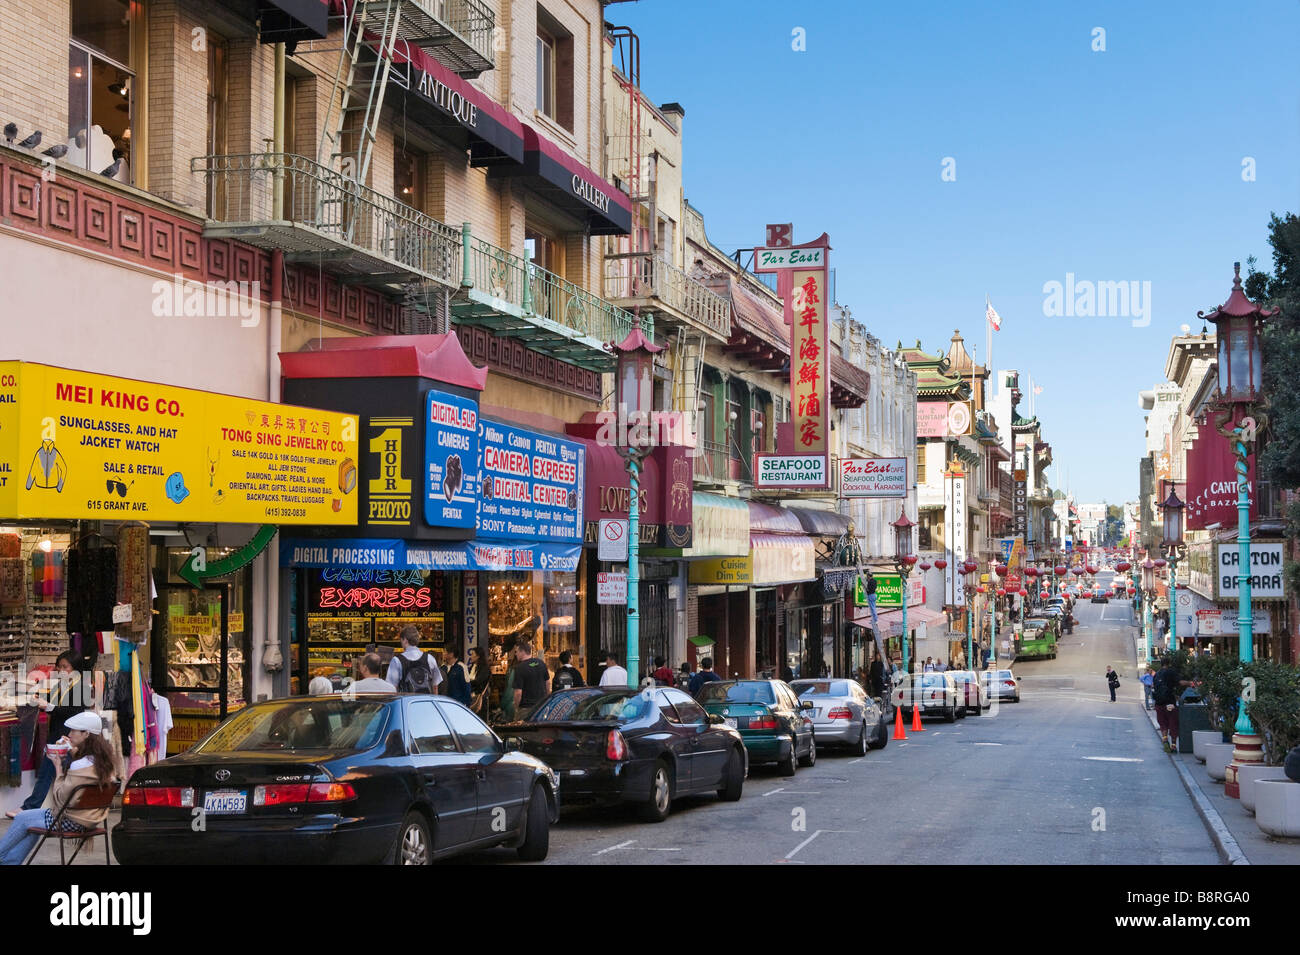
(118,486)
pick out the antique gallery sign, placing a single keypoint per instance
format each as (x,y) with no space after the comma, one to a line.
(790,470)
(873,477)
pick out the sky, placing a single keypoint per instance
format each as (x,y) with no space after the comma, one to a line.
(954,151)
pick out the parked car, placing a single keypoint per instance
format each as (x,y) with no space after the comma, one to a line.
(775,725)
(1002,685)
(376,778)
(1101,596)
(642,747)
(972,690)
(935,693)
(844,715)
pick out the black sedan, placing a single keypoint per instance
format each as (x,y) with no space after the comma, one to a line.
(643,747)
(323,779)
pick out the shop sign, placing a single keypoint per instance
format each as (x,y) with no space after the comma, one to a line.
(362,554)
(1200,568)
(470,590)
(722,570)
(1266,577)
(1019,503)
(931,419)
(611,588)
(720,525)
(772,260)
(809,374)
(611,540)
(784,470)
(1223,623)
(77,445)
(955,514)
(384,592)
(889,592)
(450,454)
(531,485)
(873,477)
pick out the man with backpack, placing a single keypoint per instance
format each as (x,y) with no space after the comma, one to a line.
(413,670)
(1165,689)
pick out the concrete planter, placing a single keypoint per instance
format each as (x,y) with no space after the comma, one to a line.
(1249,775)
(1277,807)
(1217,758)
(1200,738)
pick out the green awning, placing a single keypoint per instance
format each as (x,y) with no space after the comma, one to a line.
(701,641)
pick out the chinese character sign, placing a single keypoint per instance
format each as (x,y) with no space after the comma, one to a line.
(809,362)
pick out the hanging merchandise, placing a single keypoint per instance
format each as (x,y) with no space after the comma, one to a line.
(13,586)
(11,545)
(91,570)
(134,584)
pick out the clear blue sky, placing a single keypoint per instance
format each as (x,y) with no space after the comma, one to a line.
(1120,165)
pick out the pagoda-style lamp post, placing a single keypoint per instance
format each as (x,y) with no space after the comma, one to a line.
(1148,596)
(1176,549)
(1238,324)
(635,391)
(904,560)
(1000,571)
(969,567)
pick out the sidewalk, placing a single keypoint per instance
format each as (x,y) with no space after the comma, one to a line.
(1239,840)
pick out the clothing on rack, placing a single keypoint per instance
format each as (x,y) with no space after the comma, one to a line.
(91,574)
(13,585)
(163,708)
(134,583)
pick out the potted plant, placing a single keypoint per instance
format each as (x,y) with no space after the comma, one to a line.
(1276,714)
(1218,678)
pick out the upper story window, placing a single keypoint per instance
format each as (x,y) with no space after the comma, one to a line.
(554,70)
(101,88)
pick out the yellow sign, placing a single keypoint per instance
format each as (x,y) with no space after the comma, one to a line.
(79,445)
(722,570)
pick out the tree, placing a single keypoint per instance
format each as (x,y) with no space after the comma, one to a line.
(1279,460)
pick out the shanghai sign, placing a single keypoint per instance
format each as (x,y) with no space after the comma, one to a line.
(77,445)
(873,477)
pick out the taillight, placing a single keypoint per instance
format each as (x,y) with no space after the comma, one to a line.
(840,713)
(1008,682)
(172,797)
(292,793)
(615,746)
(767,722)
(331,792)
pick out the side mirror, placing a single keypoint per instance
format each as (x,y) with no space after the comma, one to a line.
(511,744)
(716,720)
(806,705)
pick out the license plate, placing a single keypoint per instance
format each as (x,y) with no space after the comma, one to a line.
(731,724)
(221,801)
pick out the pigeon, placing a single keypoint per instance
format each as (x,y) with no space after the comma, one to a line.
(32,141)
(111,171)
(11,130)
(56,152)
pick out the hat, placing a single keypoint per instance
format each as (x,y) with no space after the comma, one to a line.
(87,722)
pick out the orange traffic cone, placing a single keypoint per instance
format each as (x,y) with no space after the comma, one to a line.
(916,718)
(898,723)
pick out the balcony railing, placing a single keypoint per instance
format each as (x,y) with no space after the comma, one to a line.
(636,278)
(322,212)
(712,463)
(457,32)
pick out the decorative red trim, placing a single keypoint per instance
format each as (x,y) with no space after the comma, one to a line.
(509,357)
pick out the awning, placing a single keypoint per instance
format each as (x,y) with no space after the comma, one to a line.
(768,519)
(719,527)
(891,621)
(388,554)
(288,21)
(437,357)
(782,559)
(664,502)
(850,385)
(818,523)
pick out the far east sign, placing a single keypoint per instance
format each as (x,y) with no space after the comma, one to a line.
(873,477)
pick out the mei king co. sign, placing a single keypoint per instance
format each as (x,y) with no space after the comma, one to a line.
(801,282)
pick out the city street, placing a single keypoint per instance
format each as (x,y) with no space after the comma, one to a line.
(1025,783)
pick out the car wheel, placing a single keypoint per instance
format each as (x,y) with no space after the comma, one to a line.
(882,739)
(951,715)
(810,758)
(791,762)
(735,780)
(860,747)
(537,829)
(660,801)
(413,846)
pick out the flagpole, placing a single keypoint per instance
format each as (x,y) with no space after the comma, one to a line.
(988,333)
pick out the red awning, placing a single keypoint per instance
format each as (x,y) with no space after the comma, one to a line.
(437,357)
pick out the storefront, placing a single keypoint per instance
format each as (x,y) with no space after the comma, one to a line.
(470,529)
(719,574)
(849,646)
(784,561)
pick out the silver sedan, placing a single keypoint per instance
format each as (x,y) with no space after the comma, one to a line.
(843,714)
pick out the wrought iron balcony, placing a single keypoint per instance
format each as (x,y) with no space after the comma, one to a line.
(713,463)
(648,282)
(458,33)
(320,214)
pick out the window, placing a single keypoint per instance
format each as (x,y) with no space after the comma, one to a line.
(429,732)
(920,464)
(218,109)
(101,94)
(545,73)
(688,711)
(474,735)
(554,70)
(408,178)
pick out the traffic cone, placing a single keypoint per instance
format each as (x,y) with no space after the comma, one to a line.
(898,723)
(916,718)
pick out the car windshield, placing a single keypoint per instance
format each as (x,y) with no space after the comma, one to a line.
(737,693)
(315,724)
(591,704)
(822,688)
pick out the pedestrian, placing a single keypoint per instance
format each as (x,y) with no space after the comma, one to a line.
(371,682)
(705,675)
(480,677)
(63,702)
(1147,679)
(1291,765)
(531,679)
(320,685)
(1166,686)
(413,670)
(567,676)
(1112,680)
(663,676)
(614,674)
(458,687)
(877,677)
(684,677)
(89,760)
(929,665)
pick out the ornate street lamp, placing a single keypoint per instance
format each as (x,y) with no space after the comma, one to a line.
(1148,595)
(904,560)
(1176,549)
(635,392)
(1238,324)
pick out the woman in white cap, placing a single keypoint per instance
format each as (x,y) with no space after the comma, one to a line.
(89,761)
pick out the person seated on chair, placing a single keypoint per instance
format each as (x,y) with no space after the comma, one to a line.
(89,761)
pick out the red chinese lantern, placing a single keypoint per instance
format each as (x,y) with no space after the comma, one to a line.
(1060,570)
(1092,568)
(1002,592)
(924,565)
(1000,570)
(980,589)
(1160,562)
(1122,566)
(1131,591)
(1044,594)
(1024,593)
(941,564)
(909,559)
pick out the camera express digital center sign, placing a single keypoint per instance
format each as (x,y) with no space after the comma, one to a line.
(79,445)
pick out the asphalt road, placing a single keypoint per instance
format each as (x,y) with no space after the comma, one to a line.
(1064,776)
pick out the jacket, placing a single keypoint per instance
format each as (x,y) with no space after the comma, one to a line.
(62,791)
(458,684)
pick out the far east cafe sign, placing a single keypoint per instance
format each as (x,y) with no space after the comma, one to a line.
(801,272)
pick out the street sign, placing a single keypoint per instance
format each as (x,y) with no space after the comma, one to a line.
(611,588)
(611,540)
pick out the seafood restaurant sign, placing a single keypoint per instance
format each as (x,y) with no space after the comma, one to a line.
(873,477)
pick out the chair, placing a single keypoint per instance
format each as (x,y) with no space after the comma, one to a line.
(85,796)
